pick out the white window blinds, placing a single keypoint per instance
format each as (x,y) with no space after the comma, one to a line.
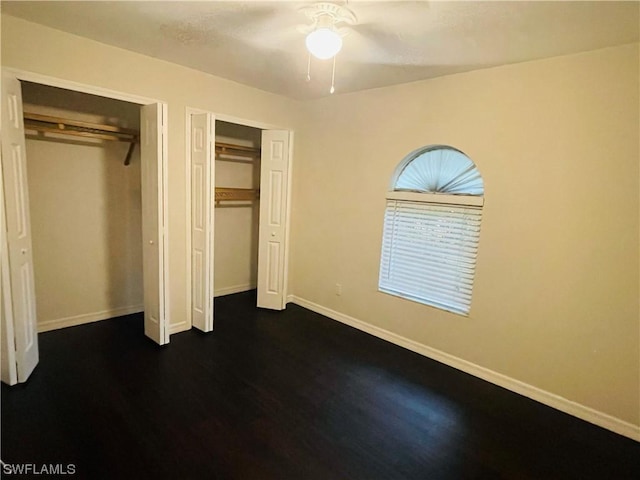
(441,170)
(429,253)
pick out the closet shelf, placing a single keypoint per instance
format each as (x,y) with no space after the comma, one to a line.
(236,194)
(65,126)
(227,151)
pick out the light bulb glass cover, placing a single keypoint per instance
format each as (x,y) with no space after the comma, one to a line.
(323,43)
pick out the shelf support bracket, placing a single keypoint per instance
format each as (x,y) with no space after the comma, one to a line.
(127,159)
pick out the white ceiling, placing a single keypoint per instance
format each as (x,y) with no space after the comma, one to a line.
(257,43)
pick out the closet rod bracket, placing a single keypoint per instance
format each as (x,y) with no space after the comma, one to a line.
(127,159)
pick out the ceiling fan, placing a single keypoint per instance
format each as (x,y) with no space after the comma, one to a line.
(375,31)
(372,31)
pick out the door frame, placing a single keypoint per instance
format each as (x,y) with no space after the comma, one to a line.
(33,77)
(247,123)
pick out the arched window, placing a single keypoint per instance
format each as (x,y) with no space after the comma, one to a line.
(431,229)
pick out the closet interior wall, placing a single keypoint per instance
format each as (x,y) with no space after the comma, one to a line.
(236,222)
(85,207)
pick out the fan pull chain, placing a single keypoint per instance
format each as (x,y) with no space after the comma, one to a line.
(333,75)
(309,69)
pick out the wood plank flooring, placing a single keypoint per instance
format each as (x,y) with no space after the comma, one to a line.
(283,395)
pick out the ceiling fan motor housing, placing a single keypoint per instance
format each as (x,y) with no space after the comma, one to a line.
(328,15)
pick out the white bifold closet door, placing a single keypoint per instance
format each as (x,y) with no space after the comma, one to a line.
(274,182)
(16,259)
(202,224)
(151,150)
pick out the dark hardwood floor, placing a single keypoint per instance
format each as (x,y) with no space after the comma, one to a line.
(283,395)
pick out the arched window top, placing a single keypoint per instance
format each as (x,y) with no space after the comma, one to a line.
(438,169)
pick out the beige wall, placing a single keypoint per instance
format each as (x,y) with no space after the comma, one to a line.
(555,302)
(34,48)
(236,223)
(85,205)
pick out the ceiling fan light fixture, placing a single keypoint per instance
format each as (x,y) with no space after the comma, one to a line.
(322,40)
(324,43)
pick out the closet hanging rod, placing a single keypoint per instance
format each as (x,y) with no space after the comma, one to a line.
(231,150)
(236,194)
(232,146)
(61,125)
(65,126)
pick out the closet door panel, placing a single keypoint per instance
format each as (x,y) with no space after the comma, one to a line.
(202,136)
(20,290)
(274,174)
(152,229)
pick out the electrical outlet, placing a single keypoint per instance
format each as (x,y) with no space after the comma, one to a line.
(338,289)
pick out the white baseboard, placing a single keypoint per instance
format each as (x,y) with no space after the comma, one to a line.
(550,399)
(221,292)
(87,318)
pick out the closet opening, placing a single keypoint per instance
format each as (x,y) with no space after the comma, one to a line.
(98,208)
(251,234)
(239,213)
(85,203)
(237,207)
